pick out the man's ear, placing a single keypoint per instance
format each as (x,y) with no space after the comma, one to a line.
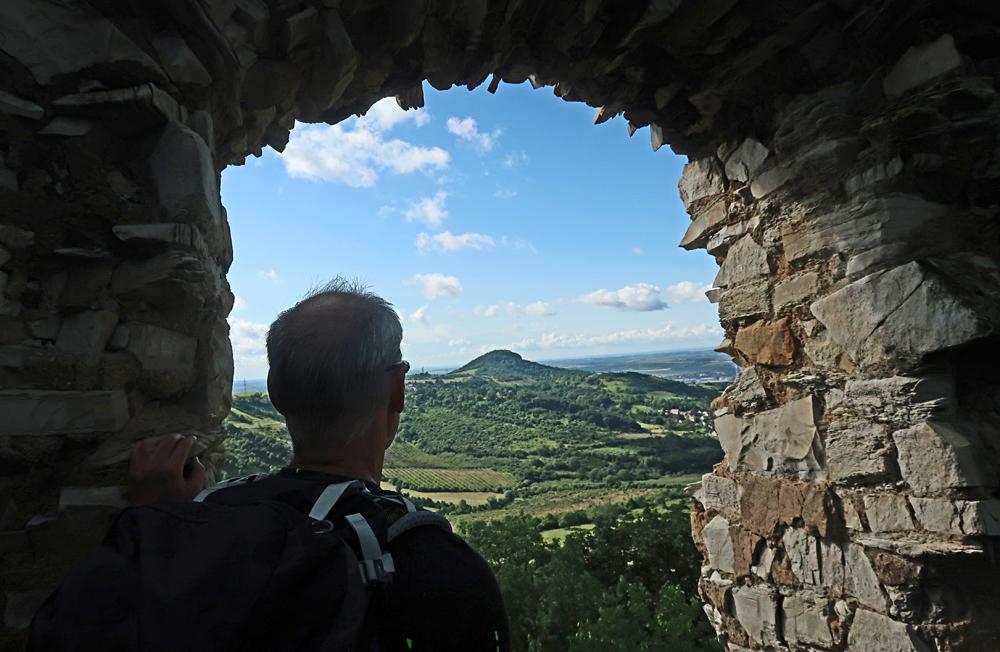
(397,392)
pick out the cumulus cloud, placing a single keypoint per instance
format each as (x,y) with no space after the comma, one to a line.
(536,309)
(539,309)
(668,332)
(419,316)
(468,130)
(642,297)
(429,210)
(436,285)
(238,303)
(249,341)
(687,292)
(447,242)
(356,151)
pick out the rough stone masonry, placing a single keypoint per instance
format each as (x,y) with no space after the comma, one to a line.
(844,172)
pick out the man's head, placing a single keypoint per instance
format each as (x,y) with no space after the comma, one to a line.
(331,360)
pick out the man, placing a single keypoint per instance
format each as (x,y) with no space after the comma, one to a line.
(337,375)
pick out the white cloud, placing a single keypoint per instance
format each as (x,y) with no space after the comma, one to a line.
(249,341)
(513,160)
(459,342)
(420,316)
(429,210)
(540,309)
(517,244)
(637,250)
(270,275)
(466,129)
(386,114)
(356,151)
(642,297)
(447,241)
(505,194)
(536,309)
(238,303)
(668,332)
(436,285)
(487,311)
(687,292)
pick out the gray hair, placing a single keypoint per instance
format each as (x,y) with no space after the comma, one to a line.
(328,356)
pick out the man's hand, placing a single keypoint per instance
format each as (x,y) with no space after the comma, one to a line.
(156,470)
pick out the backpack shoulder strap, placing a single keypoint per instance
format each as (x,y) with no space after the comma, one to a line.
(231,482)
(415,519)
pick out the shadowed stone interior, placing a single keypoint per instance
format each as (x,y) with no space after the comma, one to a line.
(844,172)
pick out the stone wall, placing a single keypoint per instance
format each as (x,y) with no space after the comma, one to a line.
(859,290)
(844,172)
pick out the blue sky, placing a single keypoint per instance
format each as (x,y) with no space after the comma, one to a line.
(489,221)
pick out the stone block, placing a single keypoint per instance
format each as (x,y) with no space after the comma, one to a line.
(135,278)
(720,494)
(920,64)
(700,179)
(805,622)
(795,289)
(937,514)
(887,220)
(981,517)
(746,261)
(757,610)
(159,349)
(86,333)
(860,579)
(184,174)
(745,160)
(772,179)
(873,632)
(780,441)
(179,61)
(719,544)
(858,452)
(888,513)
(729,429)
(802,551)
(38,412)
(743,302)
(747,390)
(759,508)
(767,343)
(936,456)
(703,223)
(76,38)
(893,318)
(171,233)
(725,236)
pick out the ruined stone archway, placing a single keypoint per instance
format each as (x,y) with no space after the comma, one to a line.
(845,172)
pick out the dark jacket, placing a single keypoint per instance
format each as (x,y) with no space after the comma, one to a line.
(443,596)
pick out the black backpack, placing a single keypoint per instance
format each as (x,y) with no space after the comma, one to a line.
(209,577)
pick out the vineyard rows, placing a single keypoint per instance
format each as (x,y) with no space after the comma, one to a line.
(449,479)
